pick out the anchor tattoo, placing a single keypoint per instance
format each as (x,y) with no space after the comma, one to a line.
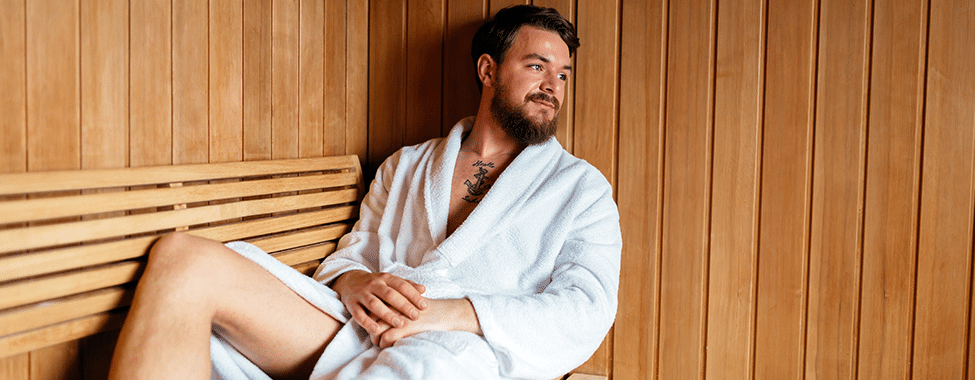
(477,189)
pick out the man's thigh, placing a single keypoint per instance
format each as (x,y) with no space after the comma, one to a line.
(260,316)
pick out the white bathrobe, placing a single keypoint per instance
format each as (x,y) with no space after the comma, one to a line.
(538,258)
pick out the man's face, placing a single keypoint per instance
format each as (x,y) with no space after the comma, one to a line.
(530,85)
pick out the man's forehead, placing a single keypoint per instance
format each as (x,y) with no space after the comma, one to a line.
(536,43)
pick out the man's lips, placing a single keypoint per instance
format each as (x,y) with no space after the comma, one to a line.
(545,100)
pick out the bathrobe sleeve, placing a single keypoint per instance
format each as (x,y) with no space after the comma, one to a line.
(360,248)
(548,334)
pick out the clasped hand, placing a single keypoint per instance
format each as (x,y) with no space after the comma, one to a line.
(388,307)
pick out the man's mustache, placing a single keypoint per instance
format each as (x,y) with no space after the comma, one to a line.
(545,97)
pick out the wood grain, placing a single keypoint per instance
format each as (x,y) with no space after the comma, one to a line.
(104,84)
(786,180)
(893,188)
(387,80)
(944,266)
(838,187)
(735,194)
(191,84)
(226,72)
(643,56)
(284,79)
(151,92)
(336,58)
(13,87)
(684,265)
(311,80)
(53,88)
(357,83)
(257,79)
(424,70)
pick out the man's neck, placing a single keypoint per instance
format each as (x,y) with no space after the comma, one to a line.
(487,139)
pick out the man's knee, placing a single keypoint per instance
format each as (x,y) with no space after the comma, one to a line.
(185,260)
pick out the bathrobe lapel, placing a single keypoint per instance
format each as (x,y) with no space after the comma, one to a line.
(512,189)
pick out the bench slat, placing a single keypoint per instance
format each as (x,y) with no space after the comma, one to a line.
(60,207)
(64,309)
(301,255)
(56,286)
(60,333)
(77,232)
(52,261)
(39,182)
(302,238)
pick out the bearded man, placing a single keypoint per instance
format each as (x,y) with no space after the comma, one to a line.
(491,253)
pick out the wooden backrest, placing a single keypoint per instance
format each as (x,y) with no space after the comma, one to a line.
(73,243)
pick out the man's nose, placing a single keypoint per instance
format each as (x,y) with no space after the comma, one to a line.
(551,84)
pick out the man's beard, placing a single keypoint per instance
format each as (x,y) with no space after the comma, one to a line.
(515,121)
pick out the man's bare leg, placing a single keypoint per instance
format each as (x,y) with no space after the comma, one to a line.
(192,285)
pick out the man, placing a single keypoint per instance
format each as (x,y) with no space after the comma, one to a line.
(491,253)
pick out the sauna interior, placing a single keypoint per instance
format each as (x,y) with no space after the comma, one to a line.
(796,178)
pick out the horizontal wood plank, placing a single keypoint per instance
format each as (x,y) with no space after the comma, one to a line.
(50,208)
(301,238)
(78,232)
(60,333)
(37,182)
(64,309)
(31,291)
(301,255)
(53,261)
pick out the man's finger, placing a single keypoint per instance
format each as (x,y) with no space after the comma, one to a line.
(413,295)
(380,309)
(362,318)
(395,298)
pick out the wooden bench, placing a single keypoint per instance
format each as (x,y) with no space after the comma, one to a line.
(73,243)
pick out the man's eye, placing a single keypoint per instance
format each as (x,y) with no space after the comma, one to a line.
(563,77)
(535,67)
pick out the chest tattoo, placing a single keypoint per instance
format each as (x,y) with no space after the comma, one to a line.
(477,189)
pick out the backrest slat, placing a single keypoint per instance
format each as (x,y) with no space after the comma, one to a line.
(73,243)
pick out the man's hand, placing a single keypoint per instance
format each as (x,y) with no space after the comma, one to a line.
(378,301)
(442,315)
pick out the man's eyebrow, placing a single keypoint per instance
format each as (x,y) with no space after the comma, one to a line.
(544,59)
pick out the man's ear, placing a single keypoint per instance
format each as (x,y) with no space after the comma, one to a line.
(487,69)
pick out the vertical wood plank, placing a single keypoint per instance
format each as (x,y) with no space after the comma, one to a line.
(15,367)
(13,86)
(284,79)
(257,79)
(311,80)
(597,85)
(104,84)
(567,114)
(596,126)
(944,267)
(336,57)
(357,82)
(226,72)
(387,81)
(786,177)
(150,91)
(735,193)
(893,185)
(497,5)
(684,262)
(643,62)
(53,88)
(460,91)
(190,82)
(424,70)
(836,230)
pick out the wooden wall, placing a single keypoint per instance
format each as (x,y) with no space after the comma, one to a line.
(796,178)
